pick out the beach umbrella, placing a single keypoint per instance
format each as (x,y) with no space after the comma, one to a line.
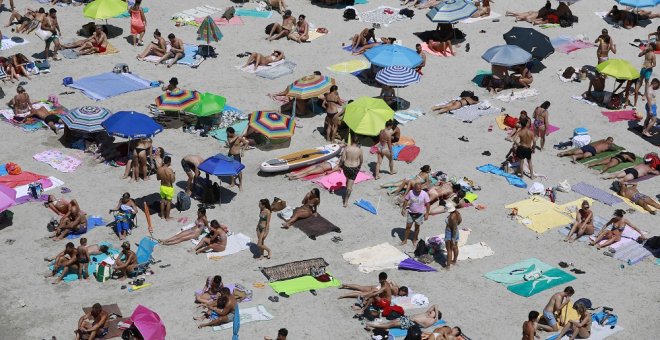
(638,3)
(530,40)
(177,100)
(451,11)
(131,125)
(619,69)
(506,55)
(310,86)
(367,116)
(221,165)
(86,118)
(236,322)
(209,104)
(272,124)
(393,55)
(104,9)
(7,197)
(208,31)
(412,264)
(397,76)
(148,323)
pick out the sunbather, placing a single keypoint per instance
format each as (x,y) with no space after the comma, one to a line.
(280,31)
(424,4)
(383,41)
(424,320)
(553,309)
(334,108)
(93,325)
(73,222)
(301,30)
(97,44)
(584,223)
(223,312)
(215,240)
(423,177)
(361,291)
(441,47)
(483,10)
(654,39)
(589,150)
(176,51)
(628,19)
(326,167)
(278,5)
(635,172)
(93,249)
(190,165)
(384,149)
(189,234)
(20,104)
(260,60)
(365,37)
(581,328)
(533,17)
(444,333)
(456,104)
(308,208)
(597,83)
(157,47)
(610,162)
(523,77)
(66,261)
(618,223)
(629,191)
(126,262)
(28,22)
(60,206)
(211,291)
(49,118)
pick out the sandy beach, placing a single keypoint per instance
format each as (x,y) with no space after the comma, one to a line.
(33,308)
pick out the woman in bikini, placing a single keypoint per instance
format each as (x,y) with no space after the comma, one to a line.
(157,47)
(440,46)
(581,328)
(260,60)
(383,41)
(198,228)
(59,206)
(211,291)
(301,31)
(308,209)
(484,9)
(423,177)
(17,63)
(140,154)
(610,162)
(263,227)
(333,105)
(584,223)
(323,168)
(215,241)
(456,104)
(541,122)
(525,78)
(605,45)
(21,104)
(618,223)
(363,38)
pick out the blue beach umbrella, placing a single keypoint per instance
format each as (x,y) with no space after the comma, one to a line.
(393,55)
(506,55)
(221,165)
(638,3)
(451,11)
(131,125)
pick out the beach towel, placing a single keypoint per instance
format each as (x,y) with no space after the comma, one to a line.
(632,205)
(595,193)
(571,208)
(548,279)
(7,43)
(640,179)
(406,116)
(631,253)
(113,325)
(475,251)
(221,134)
(313,35)
(585,101)
(366,205)
(621,166)
(316,226)
(22,191)
(619,116)
(92,266)
(493,15)
(31,124)
(414,265)
(510,178)
(24,178)
(244,12)
(602,155)
(376,258)
(58,160)
(515,272)
(349,66)
(598,332)
(196,12)
(470,113)
(280,70)
(336,180)
(507,96)
(248,315)
(92,223)
(655,140)
(629,235)
(408,153)
(250,68)
(189,59)
(234,21)
(302,284)
(383,15)
(499,120)
(539,214)
(574,46)
(235,243)
(412,301)
(292,270)
(398,332)
(110,84)
(427,49)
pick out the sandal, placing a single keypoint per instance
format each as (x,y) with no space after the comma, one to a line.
(313,291)
(486,153)
(464,139)
(563,264)
(283,294)
(273,298)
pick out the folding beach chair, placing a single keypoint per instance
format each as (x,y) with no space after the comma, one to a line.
(144,258)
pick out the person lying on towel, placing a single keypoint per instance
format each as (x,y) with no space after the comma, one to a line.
(382,292)
(618,223)
(629,191)
(308,208)
(222,313)
(443,333)
(423,320)
(589,150)
(260,60)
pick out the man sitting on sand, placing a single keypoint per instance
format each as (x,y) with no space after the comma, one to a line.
(66,261)
(97,43)
(75,222)
(190,165)
(380,295)
(93,325)
(589,150)
(639,170)
(260,60)
(281,335)
(167,179)
(629,191)
(424,320)
(365,37)
(223,312)
(129,262)
(176,51)
(553,309)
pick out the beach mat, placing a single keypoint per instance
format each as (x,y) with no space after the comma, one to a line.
(245,12)
(475,251)
(313,35)
(595,193)
(549,279)
(292,270)
(349,66)
(58,160)
(640,179)
(398,332)
(316,226)
(336,180)
(408,153)
(619,116)
(510,178)
(598,332)
(427,49)
(602,155)
(376,258)
(113,325)
(539,214)
(655,140)
(93,263)
(632,253)
(110,84)
(280,70)
(366,205)
(7,43)
(92,223)
(248,315)
(515,272)
(302,284)
(235,243)
(250,68)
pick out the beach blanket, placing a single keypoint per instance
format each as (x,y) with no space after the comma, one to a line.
(598,332)
(574,46)
(514,273)
(33,123)
(7,43)
(189,59)
(655,140)
(375,258)
(595,193)
(585,101)
(621,115)
(427,49)
(235,243)
(292,270)
(221,134)
(493,15)
(313,35)
(414,265)
(110,84)
(548,279)
(412,301)
(24,178)
(234,21)
(539,214)
(510,178)
(470,113)
(632,205)
(92,266)
(383,15)
(398,332)
(349,66)
(316,226)
(407,116)
(250,68)
(640,179)
(113,325)
(475,251)
(196,12)
(244,12)
(408,153)
(507,96)
(571,208)
(280,70)
(48,183)
(336,180)
(631,253)
(92,223)
(302,284)
(58,160)
(248,315)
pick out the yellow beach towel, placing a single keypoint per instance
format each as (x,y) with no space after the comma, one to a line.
(633,205)
(500,122)
(539,214)
(110,50)
(313,35)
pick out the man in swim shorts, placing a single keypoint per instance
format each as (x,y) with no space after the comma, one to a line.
(589,150)
(223,313)
(236,146)
(647,70)
(651,108)
(94,324)
(48,118)
(190,165)
(350,163)
(424,320)
(525,143)
(553,309)
(166,176)
(635,172)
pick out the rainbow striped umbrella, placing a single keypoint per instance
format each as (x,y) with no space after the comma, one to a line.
(310,86)
(272,124)
(208,31)
(177,100)
(86,118)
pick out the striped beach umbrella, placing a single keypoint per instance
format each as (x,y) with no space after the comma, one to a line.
(208,31)
(272,124)
(86,118)
(451,11)
(177,100)
(397,76)
(310,86)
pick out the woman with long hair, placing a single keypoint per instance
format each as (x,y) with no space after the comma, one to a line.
(263,227)
(309,205)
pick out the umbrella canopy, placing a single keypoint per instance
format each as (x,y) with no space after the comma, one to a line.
(639,3)
(367,116)
(272,124)
(208,104)
(397,76)
(618,69)
(221,165)
(131,124)
(310,86)
(450,11)
(506,55)
(104,9)
(393,55)
(177,100)
(208,31)
(148,323)
(530,40)
(7,197)
(86,118)
(236,323)
(411,264)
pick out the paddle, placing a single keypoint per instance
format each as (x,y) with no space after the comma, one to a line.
(287,160)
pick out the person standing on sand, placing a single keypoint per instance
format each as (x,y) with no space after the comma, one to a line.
(49,23)
(541,122)
(166,176)
(190,165)
(350,163)
(651,108)
(263,227)
(553,309)
(525,143)
(236,146)
(138,23)
(529,326)
(647,70)
(416,203)
(451,234)
(384,149)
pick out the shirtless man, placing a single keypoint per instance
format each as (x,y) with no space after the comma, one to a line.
(384,149)
(597,83)
(83,259)
(278,5)
(484,9)
(651,108)
(176,51)
(350,163)
(605,45)
(525,144)
(49,23)
(422,54)
(11,4)
(361,291)
(629,191)
(529,326)
(589,150)
(645,73)
(93,325)
(27,22)
(424,320)
(634,172)
(380,296)
(166,176)
(67,261)
(73,222)
(279,31)
(98,43)
(553,309)
(190,165)
(236,146)
(363,38)
(48,118)
(224,312)
(123,267)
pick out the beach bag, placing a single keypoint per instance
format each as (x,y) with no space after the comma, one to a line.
(552,18)
(605,318)
(615,102)
(510,121)
(269,28)
(653,160)
(103,272)
(35,189)
(583,301)
(182,201)
(421,248)
(121,68)
(13,168)
(87,29)
(229,13)
(407,12)
(350,14)
(206,51)
(564,186)
(316,272)
(42,64)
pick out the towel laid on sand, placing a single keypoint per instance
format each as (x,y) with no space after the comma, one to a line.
(31,124)
(196,12)
(406,116)
(302,284)
(427,49)
(598,332)
(507,96)
(189,59)
(621,115)
(235,243)
(398,332)
(475,251)
(313,35)
(110,84)
(48,183)
(412,301)
(316,226)
(250,68)
(629,235)
(510,178)
(383,15)
(113,325)
(514,273)
(7,43)
(574,46)
(374,258)
(58,160)
(655,140)
(599,222)
(221,134)
(93,263)
(408,153)
(245,12)
(493,15)
(602,155)
(248,315)
(336,180)
(470,113)
(24,178)
(92,223)
(222,21)
(631,253)
(548,279)
(595,193)
(281,70)
(539,214)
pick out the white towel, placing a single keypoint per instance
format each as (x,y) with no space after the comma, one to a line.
(379,257)
(235,243)
(492,15)
(248,315)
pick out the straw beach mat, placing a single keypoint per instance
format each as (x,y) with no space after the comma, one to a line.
(293,270)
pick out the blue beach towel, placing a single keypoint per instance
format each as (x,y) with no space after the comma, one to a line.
(244,12)
(396,149)
(92,223)
(366,205)
(190,53)
(510,178)
(110,84)
(221,134)
(398,332)
(3,170)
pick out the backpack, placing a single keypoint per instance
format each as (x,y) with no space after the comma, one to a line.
(421,248)
(653,160)
(269,28)
(182,201)
(206,51)
(229,13)
(552,18)
(652,242)
(350,14)
(583,301)
(615,102)
(568,73)
(510,121)
(407,12)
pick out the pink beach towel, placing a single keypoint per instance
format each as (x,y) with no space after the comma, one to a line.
(58,160)
(574,46)
(629,235)
(222,21)
(618,116)
(336,180)
(427,49)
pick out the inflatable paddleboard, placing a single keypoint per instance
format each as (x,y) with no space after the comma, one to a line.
(300,159)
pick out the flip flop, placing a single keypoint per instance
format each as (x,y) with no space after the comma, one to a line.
(285,295)
(563,264)
(65,190)
(486,153)
(273,298)
(165,265)
(313,291)
(464,139)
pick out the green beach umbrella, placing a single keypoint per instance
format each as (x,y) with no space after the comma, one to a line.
(618,69)
(208,105)
(367,116)
(104,9)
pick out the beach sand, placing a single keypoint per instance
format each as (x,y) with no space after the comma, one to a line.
(482,308)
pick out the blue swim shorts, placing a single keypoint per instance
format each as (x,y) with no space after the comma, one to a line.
(645,73)
(653,110)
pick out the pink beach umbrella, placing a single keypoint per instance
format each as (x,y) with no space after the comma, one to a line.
(7,197)
(148,323)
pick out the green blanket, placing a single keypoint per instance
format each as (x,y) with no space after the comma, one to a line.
(621,166)
(601,155)
(515,272)
(551,278)
(302,284)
